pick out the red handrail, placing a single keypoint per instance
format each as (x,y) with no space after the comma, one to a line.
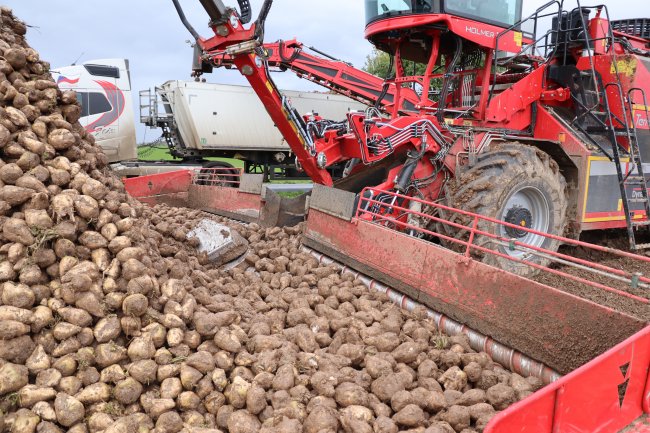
(474,231)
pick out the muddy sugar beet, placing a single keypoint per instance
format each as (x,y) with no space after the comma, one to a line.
(111,321)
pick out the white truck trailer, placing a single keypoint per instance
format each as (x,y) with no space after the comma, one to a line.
(198,120)
(202,119)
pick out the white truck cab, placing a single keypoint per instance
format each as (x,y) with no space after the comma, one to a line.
(104,91)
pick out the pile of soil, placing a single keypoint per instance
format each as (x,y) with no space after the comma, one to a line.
(111,321)
(616,239)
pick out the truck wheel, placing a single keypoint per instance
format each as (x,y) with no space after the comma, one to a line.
(518,184)
(226,176)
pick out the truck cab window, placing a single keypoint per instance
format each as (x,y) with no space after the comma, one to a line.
(93,103)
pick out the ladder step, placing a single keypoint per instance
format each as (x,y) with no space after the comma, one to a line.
(643,223)
(639,166)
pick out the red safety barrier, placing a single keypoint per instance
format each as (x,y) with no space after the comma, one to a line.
(377,212)
(170,188)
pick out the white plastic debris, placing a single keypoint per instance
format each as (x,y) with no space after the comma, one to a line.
(221,243)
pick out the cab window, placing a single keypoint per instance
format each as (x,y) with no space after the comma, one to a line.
(93,103)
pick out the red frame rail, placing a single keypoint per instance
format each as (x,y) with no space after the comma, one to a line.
(635,280)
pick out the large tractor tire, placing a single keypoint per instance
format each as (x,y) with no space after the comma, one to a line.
(228,177)
(518,184)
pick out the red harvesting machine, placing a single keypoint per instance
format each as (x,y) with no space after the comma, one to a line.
(457,187)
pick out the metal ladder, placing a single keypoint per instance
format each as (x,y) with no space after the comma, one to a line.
(157,112)
(148,107)
(639,178)
(171,137)
(154,108)
(632,176)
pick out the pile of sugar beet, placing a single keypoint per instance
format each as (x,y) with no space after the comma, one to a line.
(111,321)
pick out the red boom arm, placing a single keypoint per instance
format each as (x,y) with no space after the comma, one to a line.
(243,48)
(334,74)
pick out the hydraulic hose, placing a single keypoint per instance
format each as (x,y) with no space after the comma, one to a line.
(261,20)
(389,76)
(184,20)
(444,92)
(382,95)
(294,55)
(405,176)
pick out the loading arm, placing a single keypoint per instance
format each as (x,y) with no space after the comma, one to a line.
(243,48)
(320,68)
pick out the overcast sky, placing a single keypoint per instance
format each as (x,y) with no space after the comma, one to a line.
(150,35)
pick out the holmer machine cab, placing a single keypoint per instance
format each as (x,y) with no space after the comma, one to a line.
(460,185)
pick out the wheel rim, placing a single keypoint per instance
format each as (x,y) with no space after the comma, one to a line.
(225,177)
(526,207)
(218,179)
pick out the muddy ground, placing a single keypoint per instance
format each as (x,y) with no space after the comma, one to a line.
(612,239)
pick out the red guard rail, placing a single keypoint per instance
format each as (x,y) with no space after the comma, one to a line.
(380,212)
(172,187)
(217,176)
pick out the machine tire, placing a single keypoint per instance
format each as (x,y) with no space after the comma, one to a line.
(223,180)
(498,184)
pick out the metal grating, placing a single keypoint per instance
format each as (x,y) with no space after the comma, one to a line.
(636,27)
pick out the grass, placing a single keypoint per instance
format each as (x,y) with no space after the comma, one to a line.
(161,153)
(290,194)
(440,341)
(146,153)
(291,181)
